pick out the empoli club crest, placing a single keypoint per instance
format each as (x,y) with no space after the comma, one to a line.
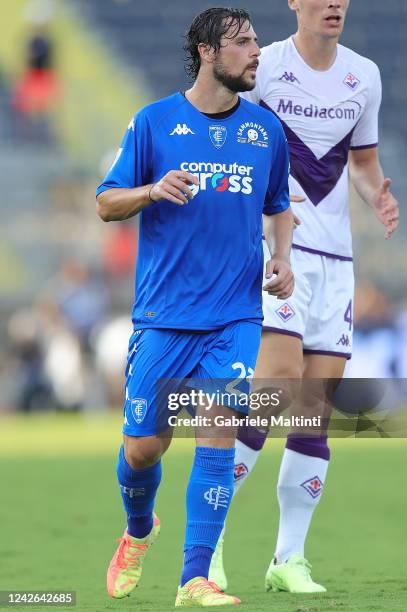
(138,409)
(218,134)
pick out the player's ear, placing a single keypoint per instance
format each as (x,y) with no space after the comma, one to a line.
(206,52)
(293,5)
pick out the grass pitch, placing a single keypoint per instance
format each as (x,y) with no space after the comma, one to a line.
(60,513)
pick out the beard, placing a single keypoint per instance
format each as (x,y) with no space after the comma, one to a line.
(232,82)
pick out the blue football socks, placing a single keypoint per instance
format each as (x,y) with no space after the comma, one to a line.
(138,489)
(209,494)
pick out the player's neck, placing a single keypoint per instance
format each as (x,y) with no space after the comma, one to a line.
(211,98)
(319,53)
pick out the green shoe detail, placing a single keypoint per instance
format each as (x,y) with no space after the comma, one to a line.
(294,576)
(200,593)
(216,570)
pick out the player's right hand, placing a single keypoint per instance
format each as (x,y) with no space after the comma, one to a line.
(174,187)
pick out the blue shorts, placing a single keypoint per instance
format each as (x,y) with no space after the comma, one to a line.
(160,360)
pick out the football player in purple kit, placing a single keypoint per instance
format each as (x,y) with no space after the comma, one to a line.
(327,98)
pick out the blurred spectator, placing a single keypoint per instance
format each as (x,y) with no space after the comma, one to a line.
(120,250)
(120,245)
(65,368)
(38,89)
(46,365)
(78,298)
(32,387)
(73,305)
(111,345)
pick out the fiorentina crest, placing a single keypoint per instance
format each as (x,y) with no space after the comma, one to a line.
(351,81)
(240,471)
(218,134)
(139,409)
(313,486)
(285,312)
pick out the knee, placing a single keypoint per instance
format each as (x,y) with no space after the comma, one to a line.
(141,453)
(288,369)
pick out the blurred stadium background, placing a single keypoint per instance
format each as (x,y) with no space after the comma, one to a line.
(72,73)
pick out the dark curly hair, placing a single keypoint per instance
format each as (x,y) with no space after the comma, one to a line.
(208,27)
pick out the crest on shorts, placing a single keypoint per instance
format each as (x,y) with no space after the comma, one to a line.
(285,312)
(313,486)
(138,409)
(218,134)
(351,81)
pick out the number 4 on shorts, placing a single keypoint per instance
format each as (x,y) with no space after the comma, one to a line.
(348,315)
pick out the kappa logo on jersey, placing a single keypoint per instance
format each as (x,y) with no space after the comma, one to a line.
(289,77)
(253,133)
(313,486)
(181,130)
(344,340)
(234,178)
(285,312)
(218,135)
(351,81)
(241,470)
(138,409)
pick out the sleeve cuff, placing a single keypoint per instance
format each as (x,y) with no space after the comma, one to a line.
(360,147)
(275,209)
(101,189)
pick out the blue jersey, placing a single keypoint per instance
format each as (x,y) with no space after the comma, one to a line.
(200,265)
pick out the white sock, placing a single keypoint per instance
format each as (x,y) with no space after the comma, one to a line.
(299,489)
(245,460)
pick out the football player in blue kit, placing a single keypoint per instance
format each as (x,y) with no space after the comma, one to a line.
(202,169)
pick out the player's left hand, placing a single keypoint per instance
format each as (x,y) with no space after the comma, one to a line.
(294,198)
(282,285)
(386,208)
